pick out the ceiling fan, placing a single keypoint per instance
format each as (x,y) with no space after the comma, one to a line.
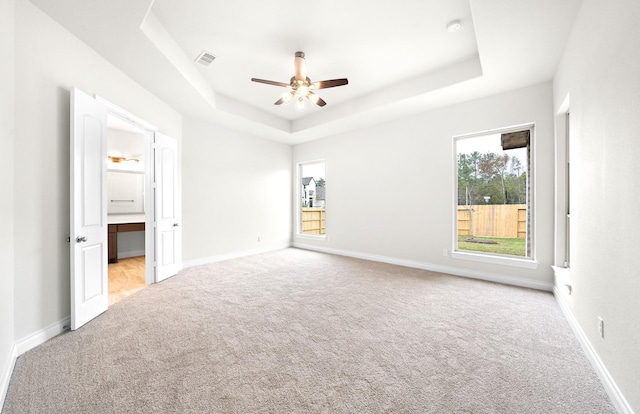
(301,86)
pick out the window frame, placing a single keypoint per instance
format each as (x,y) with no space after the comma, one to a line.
(567,191)
(528,262)
(299,197)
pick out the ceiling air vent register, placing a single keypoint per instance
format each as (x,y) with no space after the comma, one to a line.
(205,58)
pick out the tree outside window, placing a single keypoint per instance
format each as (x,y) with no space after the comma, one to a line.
(493,206)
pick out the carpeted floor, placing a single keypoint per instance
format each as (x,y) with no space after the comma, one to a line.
(294,331)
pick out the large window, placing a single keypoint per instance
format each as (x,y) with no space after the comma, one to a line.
(311,218)
(493,212)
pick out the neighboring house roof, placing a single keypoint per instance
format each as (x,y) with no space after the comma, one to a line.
(307,180)
(319,193)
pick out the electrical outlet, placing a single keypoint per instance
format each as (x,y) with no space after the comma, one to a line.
(445,252)
(601,327)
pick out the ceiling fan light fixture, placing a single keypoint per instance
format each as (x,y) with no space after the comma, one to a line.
(287,96)
(300,103)
(302,90)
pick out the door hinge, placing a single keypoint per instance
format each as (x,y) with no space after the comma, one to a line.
(68,239)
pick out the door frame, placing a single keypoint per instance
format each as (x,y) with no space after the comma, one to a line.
(97,107)
(150,273)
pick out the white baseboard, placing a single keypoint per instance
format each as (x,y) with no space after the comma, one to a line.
(616,396)
(25,344)
(491,277)
(5,374)
(234,255)
(37,338)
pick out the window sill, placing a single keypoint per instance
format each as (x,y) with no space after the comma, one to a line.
(321,237)
(563,275)
(501,260)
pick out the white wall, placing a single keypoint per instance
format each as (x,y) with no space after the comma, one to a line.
(390,188)
(51,61)
(600,72)
(7,131)
(235,188)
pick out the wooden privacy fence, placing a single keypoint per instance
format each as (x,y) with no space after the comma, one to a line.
(312,220)
(493,220)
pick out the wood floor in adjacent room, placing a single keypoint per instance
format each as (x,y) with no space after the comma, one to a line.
(125,278)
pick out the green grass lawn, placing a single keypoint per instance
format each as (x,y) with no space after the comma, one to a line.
(514,247)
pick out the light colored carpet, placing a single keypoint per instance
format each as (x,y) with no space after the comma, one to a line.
(294,331)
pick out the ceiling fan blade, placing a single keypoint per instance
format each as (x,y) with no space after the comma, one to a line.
(299,67)
(286,97)
(329,83)
(315,99)
(268,82)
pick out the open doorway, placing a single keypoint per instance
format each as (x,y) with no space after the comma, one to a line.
(127,159)
(88,256)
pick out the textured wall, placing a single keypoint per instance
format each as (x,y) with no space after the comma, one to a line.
(235,188)
(50,62)
(390,188)
(7,133)
(600,73)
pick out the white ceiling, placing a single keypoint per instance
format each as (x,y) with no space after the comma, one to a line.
(398,56)
(351,41)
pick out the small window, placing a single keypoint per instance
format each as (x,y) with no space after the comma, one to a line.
(494,186)
(311,218)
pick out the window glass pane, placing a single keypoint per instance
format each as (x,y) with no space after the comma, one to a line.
(493,207)
(312,198)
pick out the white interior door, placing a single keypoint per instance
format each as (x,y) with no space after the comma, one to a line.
(168,237)
(89,274)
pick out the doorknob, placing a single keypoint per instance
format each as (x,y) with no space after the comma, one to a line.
(175,224)
(81,239)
